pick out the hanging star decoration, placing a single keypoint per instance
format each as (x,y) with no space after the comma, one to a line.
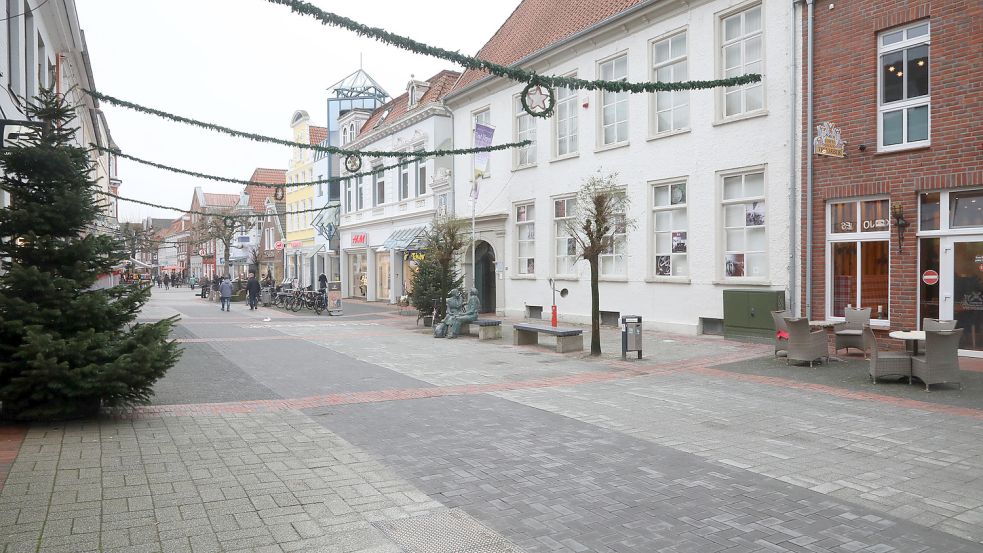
(353,163)
(538,100)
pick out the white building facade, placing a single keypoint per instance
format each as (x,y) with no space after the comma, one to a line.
(385,215)
(708,173)
(44,46)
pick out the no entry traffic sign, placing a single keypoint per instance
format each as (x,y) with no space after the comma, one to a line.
(930,277)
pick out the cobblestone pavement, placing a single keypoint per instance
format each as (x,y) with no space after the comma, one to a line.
(362,433)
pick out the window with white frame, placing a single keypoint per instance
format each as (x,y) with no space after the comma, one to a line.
(745,238)
(525,232)
(612,258)
(378,189)
(742,53)
(670,222)
(349,197)
(565,122)
(525,129)
(359,192)
(404,182)
(904,101)
(670,109)
(859,249)
(482,117)
(564,244)
(421,177)
(614,105)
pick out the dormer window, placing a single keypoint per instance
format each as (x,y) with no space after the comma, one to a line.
(344,136)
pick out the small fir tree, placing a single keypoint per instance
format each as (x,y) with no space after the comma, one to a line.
(65,347)
(436,276)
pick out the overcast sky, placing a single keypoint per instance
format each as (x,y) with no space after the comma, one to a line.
(249,65)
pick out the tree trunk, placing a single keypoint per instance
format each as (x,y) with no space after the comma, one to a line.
(595,309)
(228,251)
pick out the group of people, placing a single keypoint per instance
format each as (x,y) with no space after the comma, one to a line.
(253,289)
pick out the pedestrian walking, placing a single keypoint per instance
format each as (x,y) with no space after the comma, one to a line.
(167,282)
(253,289)
(159,281)
(322,281)
(225,293)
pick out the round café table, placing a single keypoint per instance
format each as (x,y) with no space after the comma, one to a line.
(910,337)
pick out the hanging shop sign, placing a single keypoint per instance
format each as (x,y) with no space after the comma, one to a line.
(828,141)
(278,245)
(360,239)
(297,244)
(930,277)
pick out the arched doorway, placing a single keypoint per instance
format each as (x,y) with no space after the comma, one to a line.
(484,276)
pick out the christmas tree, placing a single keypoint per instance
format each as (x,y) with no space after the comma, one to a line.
(435,276)
(66,349)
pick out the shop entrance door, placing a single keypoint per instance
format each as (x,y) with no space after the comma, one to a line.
(961,289)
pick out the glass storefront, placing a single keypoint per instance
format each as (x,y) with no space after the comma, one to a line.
(383,277)
(859,250)
(358,273)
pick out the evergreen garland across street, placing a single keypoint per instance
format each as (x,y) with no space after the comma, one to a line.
(232,180)
(204,213)
(316,147)
(498,70)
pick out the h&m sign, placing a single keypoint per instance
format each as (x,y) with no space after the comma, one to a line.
(360,239)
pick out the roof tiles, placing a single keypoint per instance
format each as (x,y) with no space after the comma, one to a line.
(538,24)
(440,85)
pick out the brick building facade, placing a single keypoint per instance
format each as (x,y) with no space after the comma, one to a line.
(900,81)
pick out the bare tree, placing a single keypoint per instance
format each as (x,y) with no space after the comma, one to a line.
(600,216)
(222,225)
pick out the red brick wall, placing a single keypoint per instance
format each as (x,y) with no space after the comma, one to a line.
(845,93)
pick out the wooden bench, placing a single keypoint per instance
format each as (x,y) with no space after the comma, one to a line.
(488,329)
(567,339)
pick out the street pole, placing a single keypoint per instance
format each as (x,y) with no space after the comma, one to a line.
(474,268)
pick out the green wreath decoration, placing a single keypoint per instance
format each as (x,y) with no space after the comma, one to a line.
(353,163)
(229,222)
(546,101)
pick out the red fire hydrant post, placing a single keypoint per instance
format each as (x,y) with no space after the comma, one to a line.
(553,318)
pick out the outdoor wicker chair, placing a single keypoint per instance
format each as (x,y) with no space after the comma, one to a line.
(804,344)
(938,324)
(849,334)
(781,332)
(940,364)
(888,363)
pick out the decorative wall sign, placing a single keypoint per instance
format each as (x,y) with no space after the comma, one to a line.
(279,194)
(828,141)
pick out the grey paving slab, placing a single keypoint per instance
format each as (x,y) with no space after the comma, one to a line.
(922,466)
(261,482)
(539,478)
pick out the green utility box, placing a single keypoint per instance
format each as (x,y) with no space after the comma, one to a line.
(748,312)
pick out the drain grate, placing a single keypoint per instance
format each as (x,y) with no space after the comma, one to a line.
(451,531)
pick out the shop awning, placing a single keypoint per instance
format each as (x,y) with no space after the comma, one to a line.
(408,239)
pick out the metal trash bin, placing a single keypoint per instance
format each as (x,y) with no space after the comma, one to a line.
(266,296)
(631,335)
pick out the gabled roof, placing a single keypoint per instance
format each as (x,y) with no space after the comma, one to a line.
(220,200)
(395,109)
(538,24)
(318,134)
(258,194)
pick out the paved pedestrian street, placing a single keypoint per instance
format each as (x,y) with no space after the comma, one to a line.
(281,432)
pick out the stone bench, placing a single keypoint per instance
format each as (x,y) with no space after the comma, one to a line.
(488,329)
(567,339)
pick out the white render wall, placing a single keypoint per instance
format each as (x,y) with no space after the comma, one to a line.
(378,223)
(696,156)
